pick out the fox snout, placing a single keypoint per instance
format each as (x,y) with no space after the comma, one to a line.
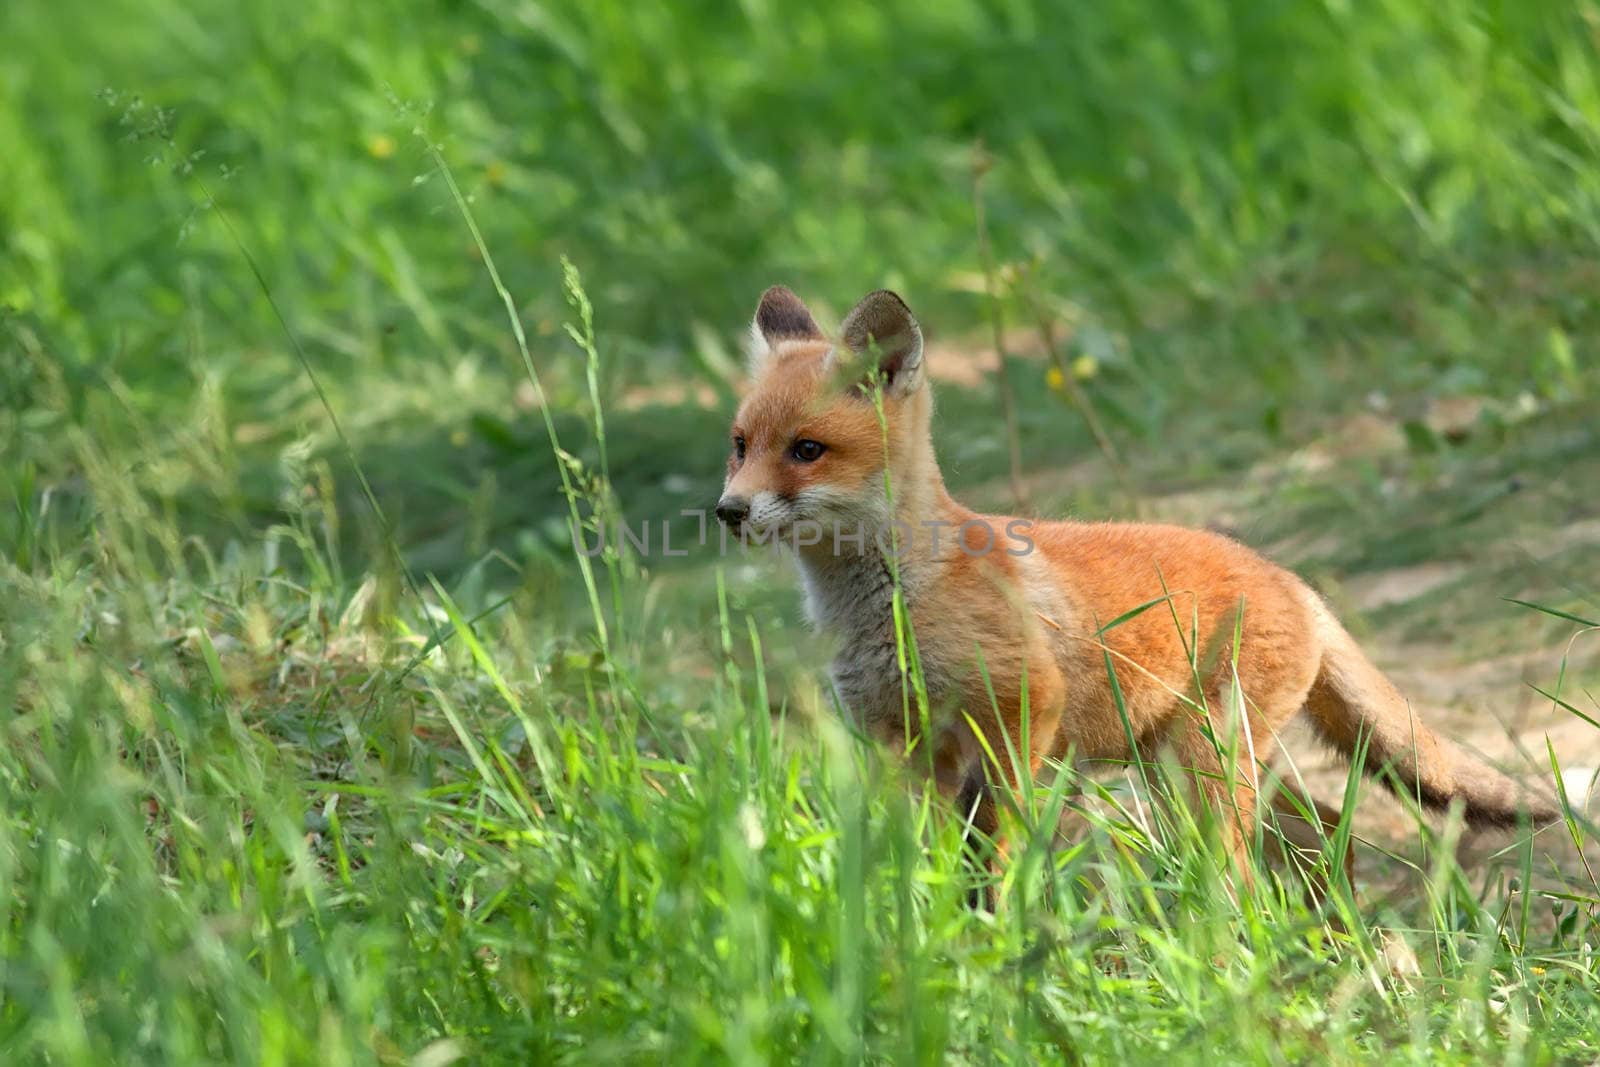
(733,510)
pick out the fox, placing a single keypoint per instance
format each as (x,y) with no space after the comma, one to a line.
(1029,632)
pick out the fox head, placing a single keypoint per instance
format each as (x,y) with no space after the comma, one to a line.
(811,442)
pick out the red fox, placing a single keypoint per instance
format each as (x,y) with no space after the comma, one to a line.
(1011,618)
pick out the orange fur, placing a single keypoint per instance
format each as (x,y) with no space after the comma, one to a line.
(1028,623)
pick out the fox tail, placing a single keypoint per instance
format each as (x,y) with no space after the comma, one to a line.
(1351,698)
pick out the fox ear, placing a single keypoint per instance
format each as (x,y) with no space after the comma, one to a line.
(779,317)
(882,328)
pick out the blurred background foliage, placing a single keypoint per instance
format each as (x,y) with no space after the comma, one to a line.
(1152,163)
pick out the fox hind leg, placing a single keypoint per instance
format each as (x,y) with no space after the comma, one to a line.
(1304,840)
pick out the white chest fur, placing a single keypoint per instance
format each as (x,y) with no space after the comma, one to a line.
(851,598)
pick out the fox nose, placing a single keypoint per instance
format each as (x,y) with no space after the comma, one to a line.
(733,510)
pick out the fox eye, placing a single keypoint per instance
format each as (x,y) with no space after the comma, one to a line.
(808,451)
(738,448)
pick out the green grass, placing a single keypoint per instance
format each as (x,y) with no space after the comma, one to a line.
(320,747)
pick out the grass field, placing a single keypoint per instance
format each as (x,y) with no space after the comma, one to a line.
(322,745)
